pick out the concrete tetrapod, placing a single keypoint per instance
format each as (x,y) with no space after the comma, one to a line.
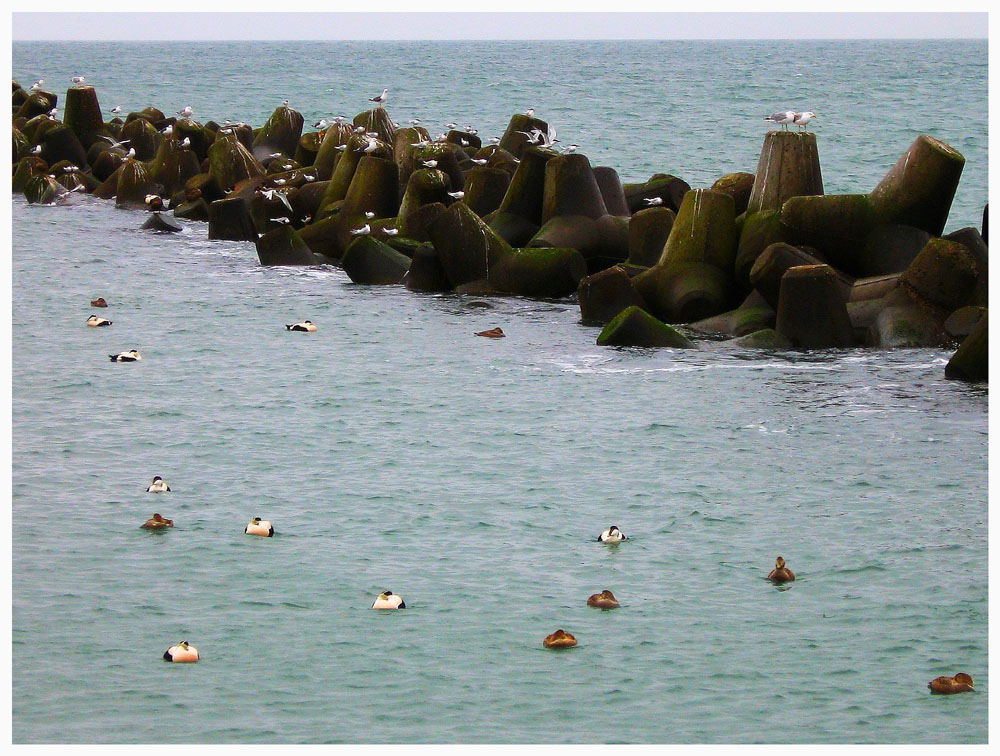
(229,218)
(971,361)
(282,246)
(648,231)
(633,326)
(812,313)
(281,132)
(919,189)
(369,261)
(693,278)
(603,295)
(788,167)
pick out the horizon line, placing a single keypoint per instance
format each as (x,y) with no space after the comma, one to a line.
(541,39)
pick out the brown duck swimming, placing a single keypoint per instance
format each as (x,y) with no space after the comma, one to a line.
(559,639)
(960,683)
(157,522)
(780,573)
(603,600)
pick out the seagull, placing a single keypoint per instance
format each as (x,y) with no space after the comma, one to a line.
(530,112)
(390,231)
(37,85)
(279,182)
(431,163)
(451,125)
(116,109)
(274,194)
(482,161)
(653,201)
(456,195)
(371,146)
(359,130)
(113,143)
(186,112)
(369,214)
(414,121)
(471,130)
(495,140)
(339,119)
(78,79)
(274,155)
(549,138)
(421,143)
(802,119)
(284,103)
(464,142)
(37,150)
(783,117)
(186,143)
(53,114)
(533,137)
(340,147)
(365,229)
(168,131)
(70,168)
(322,123)
(380,99)
(571,148)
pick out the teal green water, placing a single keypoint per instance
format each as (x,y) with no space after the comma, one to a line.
(392,449)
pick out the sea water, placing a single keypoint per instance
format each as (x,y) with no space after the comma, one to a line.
(394,450)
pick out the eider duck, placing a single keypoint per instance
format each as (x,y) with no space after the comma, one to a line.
(305,325)
(780,573)
(259,527)
(181,653)
(99,302)
(157,486)
(389,600)
(130,356)
(960,683)
(157,522)
(493,333)
(95,322)
(559,639)
(612,535)
(603,600)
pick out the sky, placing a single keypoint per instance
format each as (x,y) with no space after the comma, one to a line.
(438,25)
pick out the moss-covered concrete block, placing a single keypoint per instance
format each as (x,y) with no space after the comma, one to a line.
(634,326)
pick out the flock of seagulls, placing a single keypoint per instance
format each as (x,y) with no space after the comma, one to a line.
(786,117)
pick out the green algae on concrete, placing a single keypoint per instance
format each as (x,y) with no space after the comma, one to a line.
(280,133)
(633,326)
(548,272)
(836,225)
(230,162)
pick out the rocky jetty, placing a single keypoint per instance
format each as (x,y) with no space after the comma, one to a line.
(766,259)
